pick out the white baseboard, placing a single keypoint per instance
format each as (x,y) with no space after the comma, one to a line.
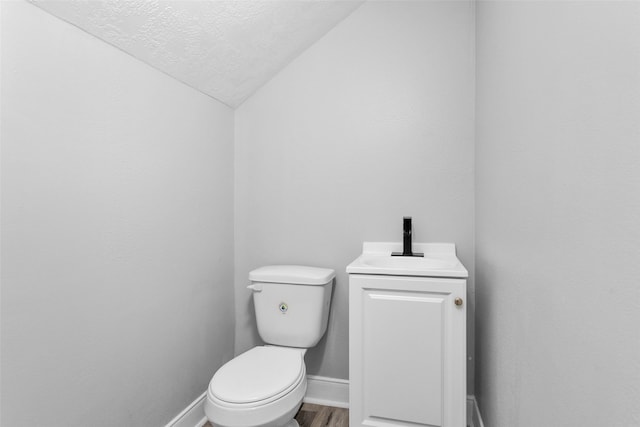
(327,391)
(192,415)
(473,413)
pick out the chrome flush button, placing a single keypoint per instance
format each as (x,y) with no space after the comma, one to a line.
(283,307)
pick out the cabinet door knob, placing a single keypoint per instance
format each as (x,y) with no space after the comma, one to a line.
(458,301)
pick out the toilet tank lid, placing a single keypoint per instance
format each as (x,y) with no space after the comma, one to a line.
(295,274)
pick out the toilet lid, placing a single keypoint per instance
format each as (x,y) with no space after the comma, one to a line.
(258,374)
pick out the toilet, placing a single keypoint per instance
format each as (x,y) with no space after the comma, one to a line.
(264,386)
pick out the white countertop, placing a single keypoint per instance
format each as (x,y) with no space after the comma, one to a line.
(439,260)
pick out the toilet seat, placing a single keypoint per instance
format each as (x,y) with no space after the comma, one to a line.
(232,400)
(258,376)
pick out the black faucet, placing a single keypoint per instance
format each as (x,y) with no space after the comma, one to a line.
(406,240)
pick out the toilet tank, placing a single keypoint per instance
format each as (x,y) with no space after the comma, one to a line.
(291,303)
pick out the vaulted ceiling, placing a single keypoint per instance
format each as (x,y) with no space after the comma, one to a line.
(226,49)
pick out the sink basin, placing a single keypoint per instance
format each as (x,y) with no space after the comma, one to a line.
(407,262)
(439,260)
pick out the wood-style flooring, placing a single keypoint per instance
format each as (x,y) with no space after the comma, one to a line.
(311,415)
(322,416)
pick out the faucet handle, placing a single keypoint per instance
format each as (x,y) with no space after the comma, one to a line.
(406,224)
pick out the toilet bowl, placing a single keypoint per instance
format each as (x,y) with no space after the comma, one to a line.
(264,386)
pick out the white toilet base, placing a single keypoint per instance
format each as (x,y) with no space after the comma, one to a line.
(292,423)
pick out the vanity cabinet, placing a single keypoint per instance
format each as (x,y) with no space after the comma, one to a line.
(407,350)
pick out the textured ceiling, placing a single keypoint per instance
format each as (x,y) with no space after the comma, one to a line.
(226,49)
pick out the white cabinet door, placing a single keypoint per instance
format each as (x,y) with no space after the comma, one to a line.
(407,350)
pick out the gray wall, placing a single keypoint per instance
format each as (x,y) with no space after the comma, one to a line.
(117,238)
(558,209)
(373,122)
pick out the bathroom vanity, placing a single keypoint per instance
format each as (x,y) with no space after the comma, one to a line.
(407,337)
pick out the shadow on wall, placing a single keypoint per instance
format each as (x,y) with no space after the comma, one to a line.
(315,356)
(251,320)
